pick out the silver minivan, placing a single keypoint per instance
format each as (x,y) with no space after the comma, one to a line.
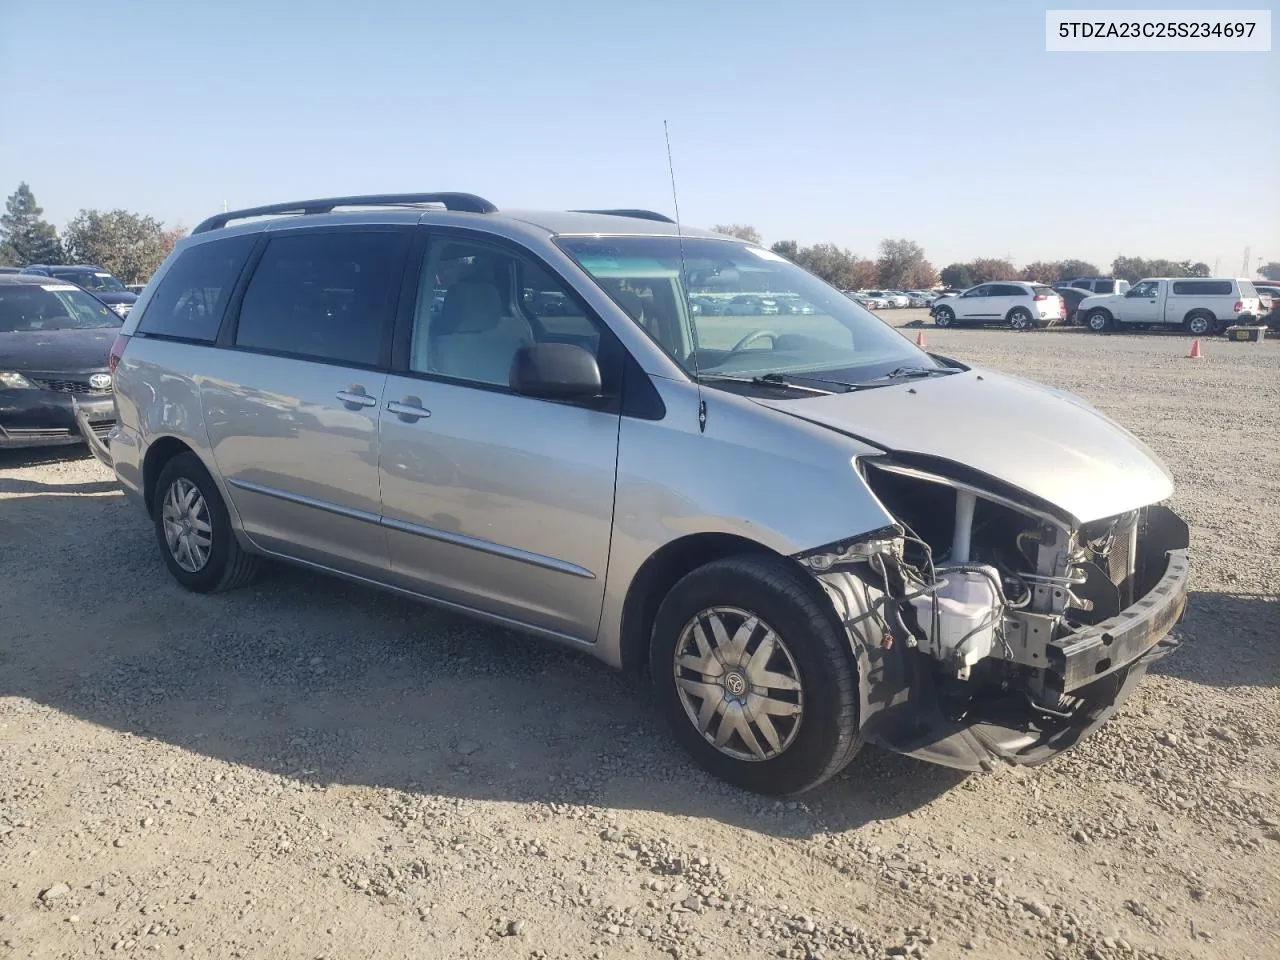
(807,532)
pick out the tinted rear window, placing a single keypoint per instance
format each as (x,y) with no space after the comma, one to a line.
(193,295)
(1043,291)
(1104,286)
(1202,288)
(326,295)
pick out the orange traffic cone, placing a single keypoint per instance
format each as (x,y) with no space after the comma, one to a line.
(920,339)
(1195,349)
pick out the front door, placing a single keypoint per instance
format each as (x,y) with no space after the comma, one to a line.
(974,306)
(494,501)
(293,410)
(1141,304)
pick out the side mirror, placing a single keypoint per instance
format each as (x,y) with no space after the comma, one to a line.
(555,371)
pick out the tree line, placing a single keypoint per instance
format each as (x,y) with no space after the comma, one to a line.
(129,245)
(901,265)
(132,245)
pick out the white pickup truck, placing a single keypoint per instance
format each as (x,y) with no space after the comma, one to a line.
(1198,305)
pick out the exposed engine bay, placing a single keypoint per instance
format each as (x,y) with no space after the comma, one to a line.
(998,615)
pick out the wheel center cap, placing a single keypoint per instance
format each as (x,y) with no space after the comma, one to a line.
(735,683)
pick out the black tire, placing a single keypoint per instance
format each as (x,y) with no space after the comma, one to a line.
(793,605)
(228,566)
(1200,323)
(943,317)
(1099,321)
(1020,319)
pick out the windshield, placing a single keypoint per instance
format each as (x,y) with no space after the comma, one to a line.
(91,280)
(742,311)
(32,307)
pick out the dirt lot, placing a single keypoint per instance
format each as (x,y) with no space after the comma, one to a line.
(306,769)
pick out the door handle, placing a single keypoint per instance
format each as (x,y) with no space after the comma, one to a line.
(356,397)
(410,410)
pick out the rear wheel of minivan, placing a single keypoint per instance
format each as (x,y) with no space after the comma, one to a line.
(754,677)
(194,529)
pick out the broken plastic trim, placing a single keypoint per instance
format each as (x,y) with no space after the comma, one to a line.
(852,550)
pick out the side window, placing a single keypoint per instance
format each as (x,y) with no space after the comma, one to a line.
(982,291)
(1008,290)
(1202,288)
(478,305)
(326,295)
(1149,289)
(192,297)
(1104,286)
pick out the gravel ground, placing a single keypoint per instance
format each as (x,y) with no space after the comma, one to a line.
(308,769)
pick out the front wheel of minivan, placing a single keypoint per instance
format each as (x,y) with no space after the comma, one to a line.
(754,677)
(194,530)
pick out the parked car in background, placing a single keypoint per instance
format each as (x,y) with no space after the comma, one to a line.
(1095,284)
(895,300)
(807,532)
(54,339)
(794,306)
(135,288)
(10,269)
(752,305)
(1071,297)
(868,301)
(1014,303)
(918,298)
(97,281)
(1198,305)
(1270,311)
(1268,295)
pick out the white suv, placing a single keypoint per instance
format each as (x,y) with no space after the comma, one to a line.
(1022,306)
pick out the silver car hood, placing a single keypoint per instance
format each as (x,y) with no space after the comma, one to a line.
(1046,442)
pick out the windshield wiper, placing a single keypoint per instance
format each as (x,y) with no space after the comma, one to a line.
(785,381)
(904,373)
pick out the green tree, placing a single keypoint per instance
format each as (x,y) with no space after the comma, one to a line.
(130,245)
(1197,269)
(1132,269)
(902,265)
(957,276)
(1070,269)
(1270,270)
(24,236)
(1041,271)
(831,263)
(787,248)
(740,230)
(986,269)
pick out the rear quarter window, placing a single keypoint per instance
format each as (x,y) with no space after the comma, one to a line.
(192,297)
(1202,288)
(1104,286)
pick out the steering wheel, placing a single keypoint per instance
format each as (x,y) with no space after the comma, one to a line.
(752,337)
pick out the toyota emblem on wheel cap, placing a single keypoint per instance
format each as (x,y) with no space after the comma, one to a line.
(100,381)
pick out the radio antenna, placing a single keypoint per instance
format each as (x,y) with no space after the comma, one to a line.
(684,285)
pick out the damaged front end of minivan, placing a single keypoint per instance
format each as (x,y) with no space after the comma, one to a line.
(989,626)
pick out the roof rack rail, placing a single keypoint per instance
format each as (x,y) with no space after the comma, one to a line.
(637,214)
(462,202)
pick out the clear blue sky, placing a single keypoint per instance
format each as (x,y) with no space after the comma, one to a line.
(841,121)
